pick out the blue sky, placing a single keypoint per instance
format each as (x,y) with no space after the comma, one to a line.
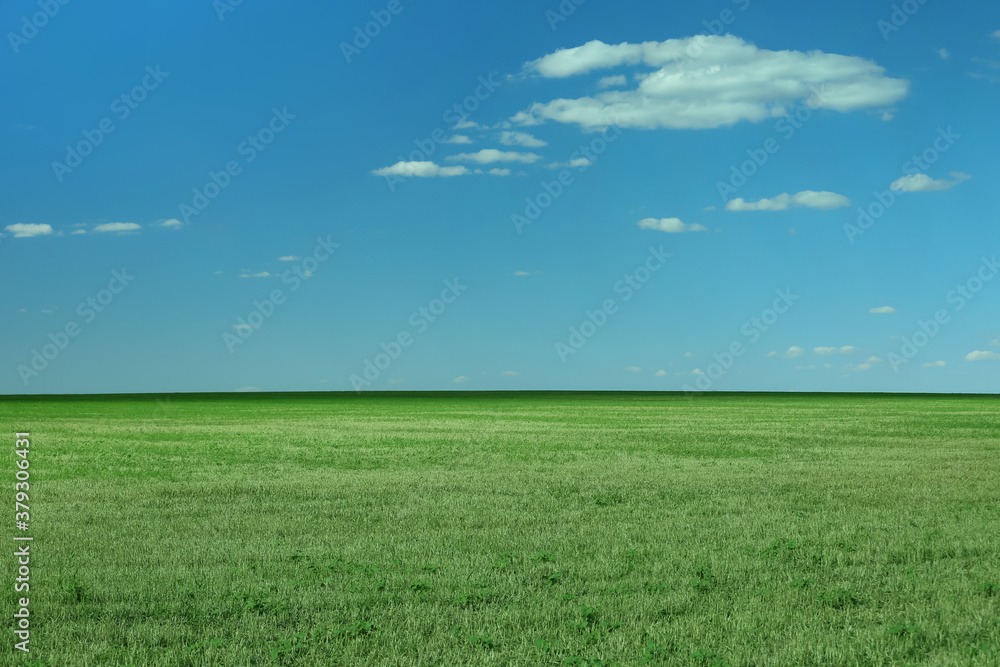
(634,195)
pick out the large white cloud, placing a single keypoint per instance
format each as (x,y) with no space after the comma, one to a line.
(982,355)
(423,169)
(785,201)
(708,81)
(490,155)
(670,225)
(924,183)
(23,230)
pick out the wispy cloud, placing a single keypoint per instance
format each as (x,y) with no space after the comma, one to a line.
(882,310)
(982,355)
(846,349)
(490,155)
(924,183)
(575,163)
(116,227)
(805,199)
(670,225)
(420,169)
(511,138)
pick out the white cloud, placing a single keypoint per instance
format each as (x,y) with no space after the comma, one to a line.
(995,341)
(172,222)
(873,359)
(660,373)
(772,353)
(78,231)
(864,367)
(521,273)
(944,54)
(421,169)
(510,373)
(499,172)
(460,379)
(288,258)
(489,155)
(469,125)
(793,352)
(262,274)
(689,355)
(924,183)
(846,349)
(785,201)
(116,227)
(25,230)
(576,163)
(982,355)
(996,34)
(882,310)
(633,369)
(697,371)
(458,139)
(670,225)
(611,81)
(729,82)
(521,139)
(934,364)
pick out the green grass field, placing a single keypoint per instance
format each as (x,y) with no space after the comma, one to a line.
(511,529)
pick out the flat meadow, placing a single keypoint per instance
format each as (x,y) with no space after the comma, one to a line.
(510,528)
